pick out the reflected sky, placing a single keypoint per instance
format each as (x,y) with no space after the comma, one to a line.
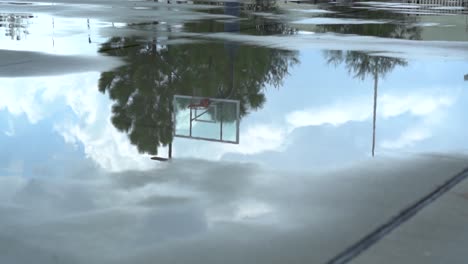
(319,111)
(312,111)
(85,101)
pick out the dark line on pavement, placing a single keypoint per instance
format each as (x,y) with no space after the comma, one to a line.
(375,236)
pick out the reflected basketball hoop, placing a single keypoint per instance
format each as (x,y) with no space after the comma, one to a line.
(202,118)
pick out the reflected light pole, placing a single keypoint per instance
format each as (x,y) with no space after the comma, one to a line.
(374,116)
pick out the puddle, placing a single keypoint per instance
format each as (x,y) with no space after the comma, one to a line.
(336,21)
(172,127)
(75,45)
(49,34)
(313,11)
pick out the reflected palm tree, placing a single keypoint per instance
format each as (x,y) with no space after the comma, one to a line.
(361,65)
(143,89)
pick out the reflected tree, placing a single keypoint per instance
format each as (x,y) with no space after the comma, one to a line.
(362,65)
(155,70)
(402,26)
(143,88)
(249,24)
(256,5)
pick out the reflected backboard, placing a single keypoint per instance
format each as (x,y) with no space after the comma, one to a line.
(204,118)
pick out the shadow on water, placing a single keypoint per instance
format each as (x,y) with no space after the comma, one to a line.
(154,72)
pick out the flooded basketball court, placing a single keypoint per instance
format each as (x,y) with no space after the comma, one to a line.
(231,132)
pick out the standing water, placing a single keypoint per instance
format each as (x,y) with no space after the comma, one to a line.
(230,132)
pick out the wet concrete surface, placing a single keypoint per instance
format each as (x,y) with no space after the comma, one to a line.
(348,114)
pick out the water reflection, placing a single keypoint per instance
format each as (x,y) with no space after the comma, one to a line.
(403,26)
(15,25)
(143,89)
(62,200)
(362,65)
(247,23)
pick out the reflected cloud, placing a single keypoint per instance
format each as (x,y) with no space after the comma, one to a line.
(301,193)
(192,206)
(336,114)
(79,113)
(16,103)
(251,210)
(431,115)
(407,138)
(334,133)
(416,104)
(10,130)
(391,105)
(260,137)
(105,145)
